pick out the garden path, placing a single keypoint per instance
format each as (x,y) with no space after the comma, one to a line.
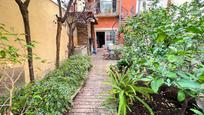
(89,99)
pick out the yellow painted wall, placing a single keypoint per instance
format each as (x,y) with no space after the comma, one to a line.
(43,30)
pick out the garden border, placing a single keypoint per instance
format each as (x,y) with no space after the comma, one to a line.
(79,89)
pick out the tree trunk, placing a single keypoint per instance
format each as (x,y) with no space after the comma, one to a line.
(71,39)
(60,21)
(24,12)
(71,43)
(58,39)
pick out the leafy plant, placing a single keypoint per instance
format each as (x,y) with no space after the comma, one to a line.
(197,112)
(12,54)
(126,91)
(166,47)
(53,94)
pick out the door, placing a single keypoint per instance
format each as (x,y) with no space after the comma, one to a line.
(100,39)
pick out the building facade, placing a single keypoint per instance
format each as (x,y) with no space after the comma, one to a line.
(110,14)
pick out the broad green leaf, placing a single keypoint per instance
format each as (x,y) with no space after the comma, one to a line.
(19,39)
(37,97)
(2,54)
(29,46)
(201,78)
(181,96)
(189,84)
(173,49)
(148,78)
(161,37)
(182,74)
(171,75)
(194,29)
(4,38)
(171,58)
(156,84)
(197,112)
(200,74)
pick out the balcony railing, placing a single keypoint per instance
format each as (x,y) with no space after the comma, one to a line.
(106,7)
(103,7)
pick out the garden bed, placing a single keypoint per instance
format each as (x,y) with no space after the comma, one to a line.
(164,103)
(163,47)
(54,94)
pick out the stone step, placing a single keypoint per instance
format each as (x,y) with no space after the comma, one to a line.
(98,110)
(93,106)
(86,103)
(89,100)
(83,96)
(92,113)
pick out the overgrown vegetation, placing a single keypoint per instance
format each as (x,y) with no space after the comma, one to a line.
(53,94)
(165,48)
(125,88)
(10,58)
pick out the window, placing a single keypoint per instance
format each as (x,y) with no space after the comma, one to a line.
(106,6)
(110,37)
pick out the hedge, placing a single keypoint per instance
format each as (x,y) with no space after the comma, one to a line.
(53,94)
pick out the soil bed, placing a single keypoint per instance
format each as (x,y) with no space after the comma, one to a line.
(164,103)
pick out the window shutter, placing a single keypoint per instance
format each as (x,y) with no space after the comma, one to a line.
(114,5)
(97,6)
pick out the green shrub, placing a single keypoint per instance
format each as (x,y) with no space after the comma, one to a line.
(52,95)
(166,47)
(125,89)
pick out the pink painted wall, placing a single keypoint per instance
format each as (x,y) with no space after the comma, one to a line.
(107,22)
(128,5)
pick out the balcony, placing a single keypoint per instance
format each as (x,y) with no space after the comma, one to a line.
(104,8)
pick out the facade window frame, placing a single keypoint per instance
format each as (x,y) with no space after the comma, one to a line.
(106,6)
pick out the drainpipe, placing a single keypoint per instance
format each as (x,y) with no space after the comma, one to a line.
(138,7)
(120,14)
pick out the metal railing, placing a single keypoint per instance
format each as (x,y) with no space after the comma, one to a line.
(102,7)
(106,7)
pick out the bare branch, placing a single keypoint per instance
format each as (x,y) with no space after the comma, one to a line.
(26,3)
(60,8)
(4,103)
(1,78)
(12,76)
(19,75)
(19,2)
(67,11)
(5,85)
(73,28)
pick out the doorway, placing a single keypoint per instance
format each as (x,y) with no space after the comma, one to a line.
(100,39)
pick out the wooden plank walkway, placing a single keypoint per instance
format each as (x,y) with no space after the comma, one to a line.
(89,99)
